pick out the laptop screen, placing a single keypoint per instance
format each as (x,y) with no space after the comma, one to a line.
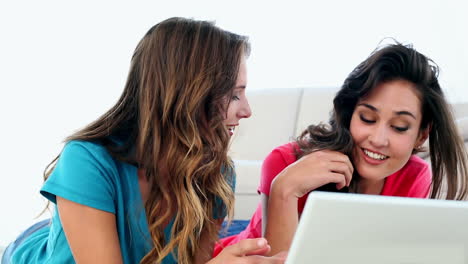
(358,228)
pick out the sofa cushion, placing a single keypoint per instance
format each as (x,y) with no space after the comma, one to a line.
(272,123)
(460,110)
(248,185)
(315,107)
(462,125)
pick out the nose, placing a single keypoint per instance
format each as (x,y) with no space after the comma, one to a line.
(244,111)
(379,136)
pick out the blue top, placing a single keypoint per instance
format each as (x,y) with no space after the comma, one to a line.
(87,174)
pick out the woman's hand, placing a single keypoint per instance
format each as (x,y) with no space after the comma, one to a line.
(248,251)
(306,174)
(313,171)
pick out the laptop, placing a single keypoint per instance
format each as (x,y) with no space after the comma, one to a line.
(372,229)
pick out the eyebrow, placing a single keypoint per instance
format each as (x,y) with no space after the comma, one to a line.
(373,108)
(240,87)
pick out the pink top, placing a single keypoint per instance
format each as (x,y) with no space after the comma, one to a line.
(413,180)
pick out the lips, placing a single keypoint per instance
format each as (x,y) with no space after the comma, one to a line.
(373,158)
(374,155)
(231,129)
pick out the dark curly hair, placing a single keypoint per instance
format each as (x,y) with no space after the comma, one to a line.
(398,62)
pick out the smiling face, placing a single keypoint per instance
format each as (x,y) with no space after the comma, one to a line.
(385,127)
(238,106)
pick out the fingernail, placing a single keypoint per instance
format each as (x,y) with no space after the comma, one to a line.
(261,242)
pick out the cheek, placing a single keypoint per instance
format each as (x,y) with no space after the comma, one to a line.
(403,146)
(230,111)
(357,130)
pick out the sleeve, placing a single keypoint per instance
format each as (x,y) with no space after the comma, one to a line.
(273,164)
(84,174)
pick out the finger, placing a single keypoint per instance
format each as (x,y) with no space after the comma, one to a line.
(326,156)
(350,166)
(247,246)
(282,254)
(340,157)
(343,168)
(263,260)
(262,251)
(337,178)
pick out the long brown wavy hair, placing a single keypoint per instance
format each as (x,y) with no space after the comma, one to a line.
(169,121)
(398,62)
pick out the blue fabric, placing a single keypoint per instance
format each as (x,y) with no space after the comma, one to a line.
(87,174)
(25,234)
(235,228)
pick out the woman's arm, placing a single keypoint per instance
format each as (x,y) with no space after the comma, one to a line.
(296,180)
(91,233)
(280,218)
(273,213)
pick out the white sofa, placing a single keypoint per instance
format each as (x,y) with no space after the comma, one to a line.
(280,115)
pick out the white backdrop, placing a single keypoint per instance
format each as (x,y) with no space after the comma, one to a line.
(64,63)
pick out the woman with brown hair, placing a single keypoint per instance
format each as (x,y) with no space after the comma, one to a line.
(387,107)
(150,180)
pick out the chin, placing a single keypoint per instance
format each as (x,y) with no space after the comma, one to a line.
(372,175)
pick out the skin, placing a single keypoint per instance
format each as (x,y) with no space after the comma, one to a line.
(239,107)
(101,226)
(386,122)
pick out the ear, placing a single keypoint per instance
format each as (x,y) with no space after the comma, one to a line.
(423,135)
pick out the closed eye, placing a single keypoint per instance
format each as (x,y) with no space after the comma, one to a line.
(235,98)
(400,129)
(365,120)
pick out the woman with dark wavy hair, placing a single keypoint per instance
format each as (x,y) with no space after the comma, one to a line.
(150,180)
(385,110)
